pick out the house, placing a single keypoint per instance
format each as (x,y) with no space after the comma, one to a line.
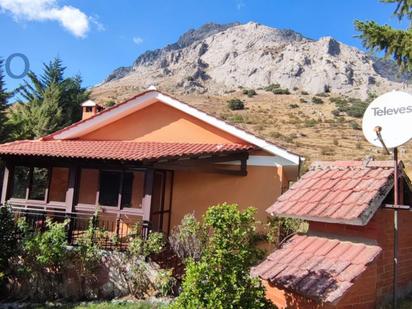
(346,258)
(151,159)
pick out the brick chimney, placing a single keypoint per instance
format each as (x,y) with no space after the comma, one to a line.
(90,108)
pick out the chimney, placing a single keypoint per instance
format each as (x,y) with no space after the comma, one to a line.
(90,108)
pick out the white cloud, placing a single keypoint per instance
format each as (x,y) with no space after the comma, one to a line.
(71,18)
(137,40)
(240,4)
(95,20)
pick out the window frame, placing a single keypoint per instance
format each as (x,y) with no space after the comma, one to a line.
(29,186)
(119,208)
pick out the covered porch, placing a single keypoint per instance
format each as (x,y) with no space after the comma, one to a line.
(130,183)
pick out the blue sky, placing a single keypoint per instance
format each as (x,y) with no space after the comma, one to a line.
(95,37)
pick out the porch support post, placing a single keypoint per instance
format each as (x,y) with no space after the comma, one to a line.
(147,199)
(8,172)
(72,189)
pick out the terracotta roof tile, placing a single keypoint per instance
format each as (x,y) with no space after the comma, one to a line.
(346,192)
(317,267)
(116,150)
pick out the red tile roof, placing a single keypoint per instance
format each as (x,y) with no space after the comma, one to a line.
(317,267)
(347,192)
(116,150)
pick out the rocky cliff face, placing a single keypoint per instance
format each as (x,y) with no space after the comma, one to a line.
(220,58)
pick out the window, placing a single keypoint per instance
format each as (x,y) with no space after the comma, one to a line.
(33,179)
(89,109)
(112,183)
(20,181)
(109,188)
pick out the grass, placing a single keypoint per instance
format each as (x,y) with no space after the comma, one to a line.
(108,305)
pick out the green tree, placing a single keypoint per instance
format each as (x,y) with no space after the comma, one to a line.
(47,103)
(394,42)
(4,96)
(221,279)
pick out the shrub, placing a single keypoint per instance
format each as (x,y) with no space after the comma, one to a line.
(302,100)
(8,239)
(138,247)
(48,248)
(280,91)
(250,93)
(139,250)
(295,88)
(109,103)
(309,123)
(87,248)
(235,104)
(164,282)
(316,100)
(293,106)
(221,278)
(271,87)
(357,108)
(305,93)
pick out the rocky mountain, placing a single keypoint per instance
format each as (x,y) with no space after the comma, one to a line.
(217,59)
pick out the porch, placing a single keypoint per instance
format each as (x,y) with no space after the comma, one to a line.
(127,193)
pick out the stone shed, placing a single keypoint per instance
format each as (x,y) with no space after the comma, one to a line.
(346,258)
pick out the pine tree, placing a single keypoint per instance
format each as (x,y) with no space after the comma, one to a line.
(4,96)
(48,102)
(394,42)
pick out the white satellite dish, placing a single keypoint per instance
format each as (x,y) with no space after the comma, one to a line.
(392,114)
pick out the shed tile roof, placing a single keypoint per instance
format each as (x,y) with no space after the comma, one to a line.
(347,192)
(117,150)
(320,268)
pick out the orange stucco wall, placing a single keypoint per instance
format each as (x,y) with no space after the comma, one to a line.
(161,123)
(195,192)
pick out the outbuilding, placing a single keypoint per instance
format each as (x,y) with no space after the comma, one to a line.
(346,258)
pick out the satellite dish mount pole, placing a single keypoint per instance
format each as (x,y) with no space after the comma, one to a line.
(395,226)
(395,215)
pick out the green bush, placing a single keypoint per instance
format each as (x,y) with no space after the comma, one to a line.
(305,93)
(316,100)
(235,104)
(357,108)
(138,247)
(280,91)
(221,278)
(48,248)
(293,106)
(272,87)
(8,239)
(250,93)
(188,239)
(309,123)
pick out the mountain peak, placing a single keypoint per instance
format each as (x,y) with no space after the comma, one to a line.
(217,58)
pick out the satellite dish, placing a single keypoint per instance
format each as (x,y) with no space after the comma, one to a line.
(391,113)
